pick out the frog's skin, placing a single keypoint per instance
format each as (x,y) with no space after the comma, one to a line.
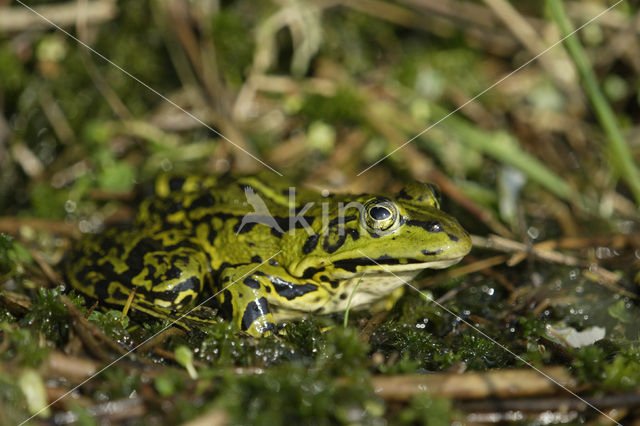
(189,241)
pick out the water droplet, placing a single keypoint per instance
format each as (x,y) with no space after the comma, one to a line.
(166,164)
(84,226)
(70,206)
(533,232)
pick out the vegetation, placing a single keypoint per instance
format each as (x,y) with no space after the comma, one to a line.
(539,161)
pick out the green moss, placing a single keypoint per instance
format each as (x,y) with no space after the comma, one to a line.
(479,353)
(345,106)
(306,335)
(48,315)
(169,383)
(221,345)
(112,323)
(624,371)
(426,410)
(234,40)
(343,354)
(25,347)
(119,382)
(12,256)
(11,70)
(84,416)
(356,42)
(296,394)
(48,202)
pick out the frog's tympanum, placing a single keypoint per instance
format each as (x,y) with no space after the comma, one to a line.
(266,251)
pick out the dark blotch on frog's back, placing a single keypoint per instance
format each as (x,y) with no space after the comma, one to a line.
(243,228)
(311,244)
(176,183)
(205,200)
(191,283)
(289,290)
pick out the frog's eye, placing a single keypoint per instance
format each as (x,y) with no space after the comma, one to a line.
(380,215)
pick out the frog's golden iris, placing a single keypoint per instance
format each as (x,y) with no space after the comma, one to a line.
(187,243)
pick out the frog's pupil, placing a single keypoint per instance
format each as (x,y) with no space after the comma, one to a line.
(380,213)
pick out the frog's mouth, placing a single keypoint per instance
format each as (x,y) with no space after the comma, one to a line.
(390,264)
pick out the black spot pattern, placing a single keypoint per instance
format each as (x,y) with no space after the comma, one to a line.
(311,244)
(175,183)
(431,253)
(289,290)
(429,225)
(251,282)
(311,271)
(254,310)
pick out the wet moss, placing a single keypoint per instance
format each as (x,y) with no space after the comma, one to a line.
(424,409)
(344,107)
(24,347)
(48,315)
(297,393)
(220,345)
(112,323)
(13,256)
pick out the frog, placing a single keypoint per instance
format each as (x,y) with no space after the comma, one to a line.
(258,251)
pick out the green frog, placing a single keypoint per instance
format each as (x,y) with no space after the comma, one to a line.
(259,251)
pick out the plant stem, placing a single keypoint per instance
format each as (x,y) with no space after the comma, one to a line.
(620,154)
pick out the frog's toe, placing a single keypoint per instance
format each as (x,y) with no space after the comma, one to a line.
(269,329)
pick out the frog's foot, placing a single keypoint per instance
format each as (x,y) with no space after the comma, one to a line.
(245,301)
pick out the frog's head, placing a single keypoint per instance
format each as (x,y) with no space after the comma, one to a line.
(398,234)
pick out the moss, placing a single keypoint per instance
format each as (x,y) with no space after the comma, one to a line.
(480,353)
(112,323)
(306,335)
(296,394)
(47,202)
(169,383)
(426,410)
(119,382)
(12,71)
(221,345)
(624,371)
(344,107)
(234,40)
(25,347)
(48,315)
(83,415)
(12,256)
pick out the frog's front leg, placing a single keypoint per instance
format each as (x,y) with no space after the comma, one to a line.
(254,298)
(244,300)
